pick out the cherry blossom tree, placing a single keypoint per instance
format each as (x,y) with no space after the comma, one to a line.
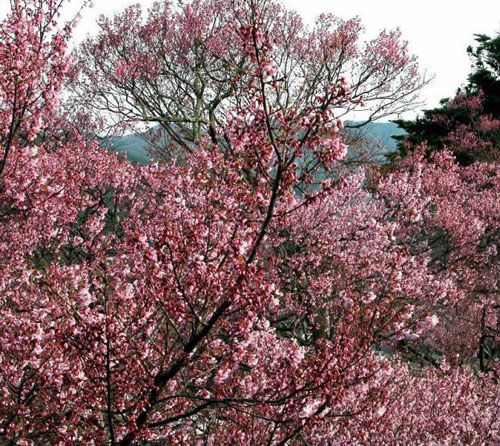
(478,138)
(184,67)
(28,38)
(453,215)
(233,295)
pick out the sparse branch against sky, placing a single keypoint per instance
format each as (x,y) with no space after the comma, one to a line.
(438,31)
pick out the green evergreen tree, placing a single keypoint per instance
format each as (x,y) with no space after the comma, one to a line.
(435,126)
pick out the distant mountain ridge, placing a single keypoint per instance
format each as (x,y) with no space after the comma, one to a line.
(383,132)
(135,146)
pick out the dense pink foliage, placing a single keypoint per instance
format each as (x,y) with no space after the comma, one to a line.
(479,135)
(229,296)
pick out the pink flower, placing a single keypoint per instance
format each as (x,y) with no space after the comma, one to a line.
(269,69)
(430,321)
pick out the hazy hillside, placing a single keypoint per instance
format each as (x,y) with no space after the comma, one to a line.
(135,145)
(381,131)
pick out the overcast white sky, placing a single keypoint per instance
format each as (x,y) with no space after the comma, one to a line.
(438,31)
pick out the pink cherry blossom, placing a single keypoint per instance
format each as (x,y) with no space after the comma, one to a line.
(245,288)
